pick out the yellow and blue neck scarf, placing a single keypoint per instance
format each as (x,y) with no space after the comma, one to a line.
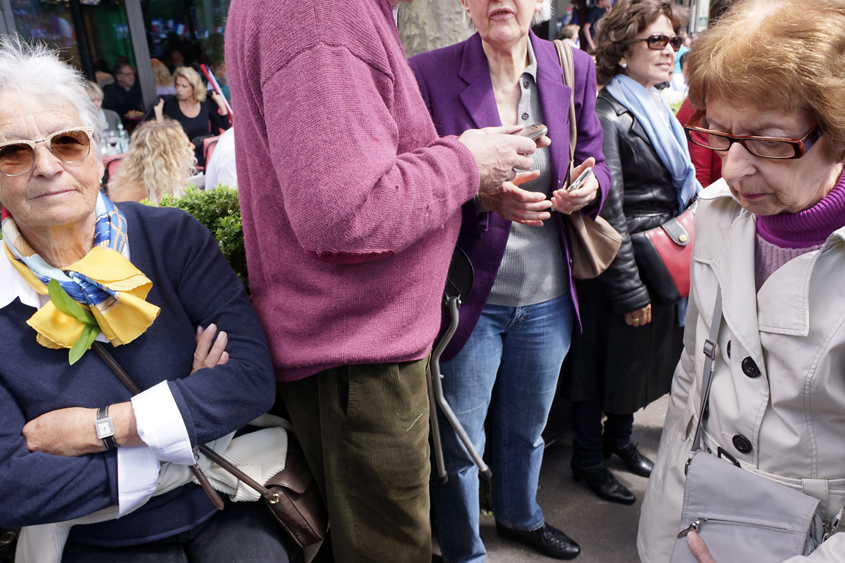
(103,292)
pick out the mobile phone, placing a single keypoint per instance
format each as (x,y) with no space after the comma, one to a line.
(581,179)
(534,132)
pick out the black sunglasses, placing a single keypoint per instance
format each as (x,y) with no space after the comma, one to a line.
(659,41)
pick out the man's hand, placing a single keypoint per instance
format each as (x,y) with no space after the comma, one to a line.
(515,204)
(568,202)
(498,152)
(698,549)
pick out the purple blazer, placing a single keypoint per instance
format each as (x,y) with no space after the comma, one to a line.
(455,84)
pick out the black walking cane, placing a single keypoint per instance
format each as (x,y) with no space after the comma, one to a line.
(459,282)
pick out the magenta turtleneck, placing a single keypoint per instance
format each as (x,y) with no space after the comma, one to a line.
(780,238)
(806,228)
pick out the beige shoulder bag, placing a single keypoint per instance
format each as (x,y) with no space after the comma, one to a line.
(593,244)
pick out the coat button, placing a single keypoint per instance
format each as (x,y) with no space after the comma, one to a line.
(729,349)
(524,116)
(750,368)
(742,444)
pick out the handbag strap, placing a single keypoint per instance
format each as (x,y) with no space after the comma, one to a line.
(709,367)
(567,63)
(208,452)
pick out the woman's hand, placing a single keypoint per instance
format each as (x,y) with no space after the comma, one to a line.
(639,317)
(70,432)
(568,202)
(518,205)
(210,352)
(159,110)
(698,549)
(221,103)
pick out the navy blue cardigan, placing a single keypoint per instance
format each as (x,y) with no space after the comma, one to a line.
(193,285)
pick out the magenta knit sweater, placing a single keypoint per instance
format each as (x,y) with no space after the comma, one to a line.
(780,238)
(350,202)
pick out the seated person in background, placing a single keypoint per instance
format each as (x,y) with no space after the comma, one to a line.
(56,463)
(198,116)
(159,161)
(220,168)
(102,74)
(162,78)
(124,95)
(108,119)
(569,33)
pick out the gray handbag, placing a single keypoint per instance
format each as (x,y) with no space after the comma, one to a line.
(740,516)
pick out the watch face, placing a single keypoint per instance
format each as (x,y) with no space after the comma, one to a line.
(104,428)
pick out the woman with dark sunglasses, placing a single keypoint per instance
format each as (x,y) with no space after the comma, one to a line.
(767,82)
(89,471)
(624,358)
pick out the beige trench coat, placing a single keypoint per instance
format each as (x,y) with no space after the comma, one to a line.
(793,413)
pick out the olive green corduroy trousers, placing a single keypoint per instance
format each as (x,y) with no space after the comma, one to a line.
(364,431)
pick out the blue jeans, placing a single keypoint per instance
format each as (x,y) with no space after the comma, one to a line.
(507,374)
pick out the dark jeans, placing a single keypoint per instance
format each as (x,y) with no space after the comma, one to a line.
(244,532)
(364,430)
(587,433)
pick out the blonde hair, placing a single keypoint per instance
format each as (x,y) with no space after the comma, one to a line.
(160,158)
(161,76)
(777,54)
(193,78)
(94,90)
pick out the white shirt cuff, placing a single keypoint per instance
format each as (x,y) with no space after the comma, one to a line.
(160,425)
(137,476)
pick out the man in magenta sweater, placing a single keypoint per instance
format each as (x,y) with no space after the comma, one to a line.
(351,209)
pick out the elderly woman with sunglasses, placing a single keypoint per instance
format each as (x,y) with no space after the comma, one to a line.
(767,82)
(624,358)
(75,445)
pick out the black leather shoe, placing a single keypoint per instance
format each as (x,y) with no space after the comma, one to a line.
(548,540)
(604,484)
(633,458)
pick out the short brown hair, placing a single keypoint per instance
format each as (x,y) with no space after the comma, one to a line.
(616,30)
(161,76)
(785,54)
(193,78)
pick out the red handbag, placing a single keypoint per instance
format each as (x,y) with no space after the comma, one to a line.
(663,257)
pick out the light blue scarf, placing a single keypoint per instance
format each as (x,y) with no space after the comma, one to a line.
(669,143)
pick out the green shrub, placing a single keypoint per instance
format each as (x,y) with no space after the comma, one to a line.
(220,211)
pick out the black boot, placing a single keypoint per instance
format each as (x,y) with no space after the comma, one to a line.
(636,461)
(604,484)
(548,540)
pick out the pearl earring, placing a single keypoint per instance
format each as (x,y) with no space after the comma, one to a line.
(623,64)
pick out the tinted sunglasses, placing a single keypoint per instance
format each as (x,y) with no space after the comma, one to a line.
(659,41)
(68,145)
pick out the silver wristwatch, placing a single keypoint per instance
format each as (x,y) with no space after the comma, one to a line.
(105,428)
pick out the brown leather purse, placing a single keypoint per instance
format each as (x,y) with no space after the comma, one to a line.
(291,494)
(593,243)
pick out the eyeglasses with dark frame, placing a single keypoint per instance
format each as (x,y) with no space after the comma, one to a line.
(774,148)
(658,42)
(68,145)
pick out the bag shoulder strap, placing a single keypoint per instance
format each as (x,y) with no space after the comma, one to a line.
(709,366)
(567,63)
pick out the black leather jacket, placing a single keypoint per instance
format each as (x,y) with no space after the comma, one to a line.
(641,197)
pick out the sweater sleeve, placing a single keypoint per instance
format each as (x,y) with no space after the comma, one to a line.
(210,292)
(30,482)
(349,191)
(590,134)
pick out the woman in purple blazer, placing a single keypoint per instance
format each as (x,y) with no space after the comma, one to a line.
(503,363)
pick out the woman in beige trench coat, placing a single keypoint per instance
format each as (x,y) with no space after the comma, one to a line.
(772,234)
